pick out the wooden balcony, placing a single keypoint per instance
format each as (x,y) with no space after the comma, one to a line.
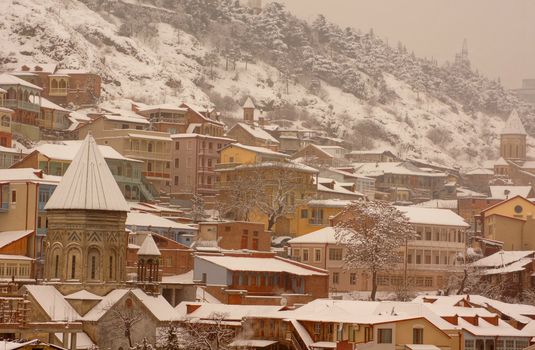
(17,104)
(58,92)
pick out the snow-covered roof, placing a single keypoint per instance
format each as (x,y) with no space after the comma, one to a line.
(503,258)
(104,305)
(165,106)
(157,305)
(52,303)
(150,137)
(67,150)
(47,103)
(88,183)
(231,312)
(185,278)
(127,117)
(2,91)
(83,295)
(8,237)
(513,125)
(326,235)
(517,266)
(267,264)
(249,103)
(501,162)
(432,216)
(8,79)
(83,341)
(480,171)
(149,247)
(14,257)
(504,192)
(259,150)
(276,165)
(27,174)
(399,168)
(438,203)
(256,132)
(329,203)
(145,220)
(337,188)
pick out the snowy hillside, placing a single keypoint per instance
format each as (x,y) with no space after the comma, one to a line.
(161,63)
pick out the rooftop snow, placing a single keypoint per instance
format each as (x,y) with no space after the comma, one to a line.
(27,174)
(432,216)
(53,303)
(146,220)
(438,203)
(8,237)
(8,79)
(88,183)
(249,103)
(503,258)
(271,264)
(83,295)
(46,103)
(149,247)
(399,168)
(256,132)
(67,150)
(326,235)
(260,150)
(513,125)
(499,192)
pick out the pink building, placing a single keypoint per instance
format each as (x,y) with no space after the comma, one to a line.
(193,159)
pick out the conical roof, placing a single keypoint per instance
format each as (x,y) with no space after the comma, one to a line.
(249,103)
(149,247)
(513,125)
(88,183)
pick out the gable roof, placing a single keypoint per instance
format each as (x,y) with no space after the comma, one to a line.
(255,149)
(8,237)
(256,132)
(325,235)
(8,79)
(505,201)
(88,183)
(53,303)
(432,216)
(499,191)
(513,125)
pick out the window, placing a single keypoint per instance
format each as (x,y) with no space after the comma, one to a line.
(111,267)
(317,328)
(335,254)
(336,277)
(244,240)
(317,254)
(305,254)
(296,253)
(176,180)
(177,145)
(124,126)
(149,147)
(518,209)
(56,267)
(13,196)
(383,280)
(368,334)
(255,243)
(177,163)
(304,213)
(73,267)
(93,267)
(384,336)
(428,282)
(209,162)
(352,278)
(427,233)
(417,335)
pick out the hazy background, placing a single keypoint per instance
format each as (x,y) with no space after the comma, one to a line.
(500,33)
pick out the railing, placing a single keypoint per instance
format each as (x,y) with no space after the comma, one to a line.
(292,339)
(147,155)
(12,103)
(316,222)
(151,174)
(58,92)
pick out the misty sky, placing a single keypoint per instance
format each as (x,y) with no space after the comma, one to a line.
(500,33)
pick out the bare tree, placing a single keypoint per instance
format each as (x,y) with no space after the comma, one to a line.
(195,334)
(197,208)
(372,233)
(123,321)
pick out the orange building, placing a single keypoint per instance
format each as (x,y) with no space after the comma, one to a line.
(234,235)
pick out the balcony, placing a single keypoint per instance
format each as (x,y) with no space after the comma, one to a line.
(156,176)
(317,221)
(165,156)
(58,92)
(17,104)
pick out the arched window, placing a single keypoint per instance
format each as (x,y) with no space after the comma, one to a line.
(56,267)
(73,267)
(517,154)
(93,257)
(62,84)
(111,268)
(54,84)
(149,147)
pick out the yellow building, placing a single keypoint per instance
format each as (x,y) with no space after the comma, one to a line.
(510,222)
(274,173)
